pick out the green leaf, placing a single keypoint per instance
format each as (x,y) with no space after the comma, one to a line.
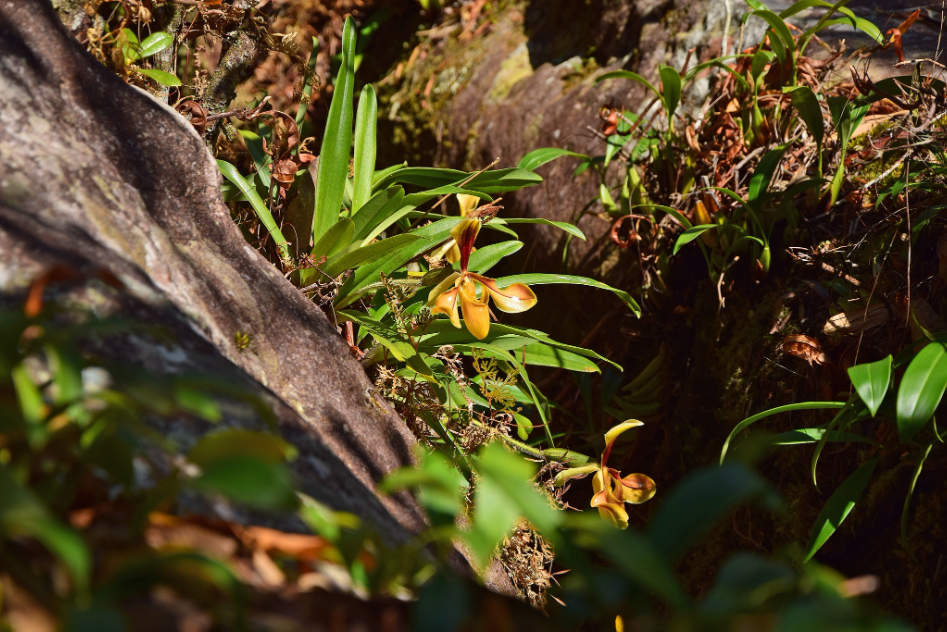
(907,497)
(197,402)
(336,142)
(162,77)
(839,505)
(539,157)
(507,337)
(626,74)
(921,390)
(566,226)
(778,25)
(807,104)
(336,239)
(261,159)
(368,254)
(429,237)
(365,131)
(263,213)
(567,279)
(21,513)
(485,258)
(252,481)
(65,365)
(774,411)
(155,43)
(381,206)
(699,502)
(671,87)
(871,381)
(495,181)
(814,435)
(389,338)
(759,181)
(691,234)
(238,442)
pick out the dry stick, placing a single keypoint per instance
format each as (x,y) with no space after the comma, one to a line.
(447,195)
(907,214)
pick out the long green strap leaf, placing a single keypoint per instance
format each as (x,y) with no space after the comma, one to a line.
(774,411)
(263,213)
(336,143)
(839,505)
(365,132)
(543,279)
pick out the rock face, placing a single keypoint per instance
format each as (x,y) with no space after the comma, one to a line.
(100,176)
(529,83)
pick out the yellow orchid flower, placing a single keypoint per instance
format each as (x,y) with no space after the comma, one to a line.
(450,250)
(611,490)
(471,292)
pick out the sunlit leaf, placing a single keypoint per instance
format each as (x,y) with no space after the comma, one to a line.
(539,157)
(922,389)
(774,411)
(263,213)
(544,279)
(155,43)
(336,142)
(691,234)
(162,77)
(871,382)
(365,131)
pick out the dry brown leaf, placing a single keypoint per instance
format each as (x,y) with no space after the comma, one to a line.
(804,347)
(296,545)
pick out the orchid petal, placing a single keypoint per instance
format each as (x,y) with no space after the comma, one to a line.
(441,287)
(613,513)
(467,203)
(513,299)
(637,488)
(475,310)
(446,303)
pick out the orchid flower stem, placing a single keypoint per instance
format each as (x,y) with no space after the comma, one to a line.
(560,455)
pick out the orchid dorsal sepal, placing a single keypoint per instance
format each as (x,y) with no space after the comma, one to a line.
(616,431)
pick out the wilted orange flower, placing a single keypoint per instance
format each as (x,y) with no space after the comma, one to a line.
(611,490)
(471,292)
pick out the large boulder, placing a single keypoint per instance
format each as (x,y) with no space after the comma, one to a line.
(100,176)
